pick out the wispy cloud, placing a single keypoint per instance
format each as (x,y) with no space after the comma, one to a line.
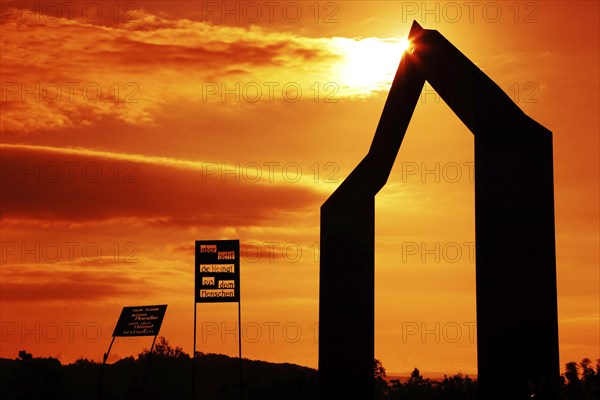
(82,185)
(63,73)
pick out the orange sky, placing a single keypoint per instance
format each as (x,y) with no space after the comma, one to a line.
(128,131)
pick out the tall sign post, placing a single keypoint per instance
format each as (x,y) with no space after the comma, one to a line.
(217,280)
(136,321)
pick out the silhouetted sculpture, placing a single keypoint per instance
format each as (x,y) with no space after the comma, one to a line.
(517,321)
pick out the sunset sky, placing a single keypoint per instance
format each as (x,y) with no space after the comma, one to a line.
(129,130)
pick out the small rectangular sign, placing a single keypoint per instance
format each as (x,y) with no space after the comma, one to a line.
(140,321)
(217,271)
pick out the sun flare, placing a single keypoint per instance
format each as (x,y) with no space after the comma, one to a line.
(369,64)
(404,45)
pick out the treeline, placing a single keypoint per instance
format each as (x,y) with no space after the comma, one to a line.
(457,387)
(167,373)
(164,374)
(579,382)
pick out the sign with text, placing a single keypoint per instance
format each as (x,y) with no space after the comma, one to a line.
(217,271)
(140,321)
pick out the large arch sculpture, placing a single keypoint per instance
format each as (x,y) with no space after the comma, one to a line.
(517,323)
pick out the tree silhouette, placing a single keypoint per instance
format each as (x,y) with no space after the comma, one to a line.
(416,387)
(163,349)
(25,356)
(30,378)
(381,385)
(416,379)
(458,387)
(582,382)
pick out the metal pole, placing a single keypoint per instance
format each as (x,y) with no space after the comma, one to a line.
(147,366)
(104,358)
(196,271)
(194,354)
(240,347)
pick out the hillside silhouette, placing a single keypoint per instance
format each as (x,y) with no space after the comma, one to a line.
(166,374)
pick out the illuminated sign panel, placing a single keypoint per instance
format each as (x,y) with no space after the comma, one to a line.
(217,271)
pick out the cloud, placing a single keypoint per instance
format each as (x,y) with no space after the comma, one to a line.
(81,279)
(82,72)
(80,185)
(90,288)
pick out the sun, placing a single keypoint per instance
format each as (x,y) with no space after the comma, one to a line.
(404,45)
(368,65)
